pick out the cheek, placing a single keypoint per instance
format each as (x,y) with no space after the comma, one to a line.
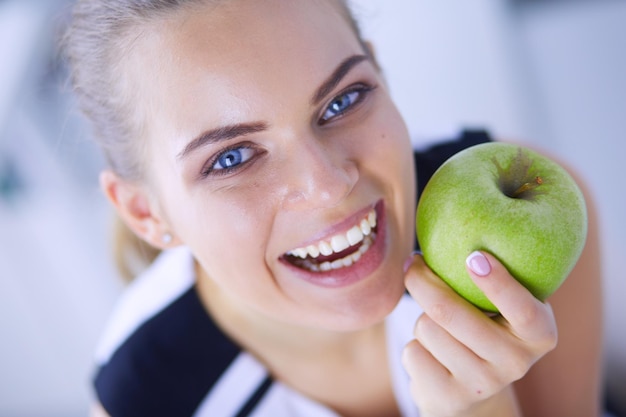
(225,229)
(389,148)
(388,133)
(393,161)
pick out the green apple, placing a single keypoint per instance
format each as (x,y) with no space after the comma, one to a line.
(510,201)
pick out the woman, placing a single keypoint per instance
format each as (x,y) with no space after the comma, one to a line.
(257,144)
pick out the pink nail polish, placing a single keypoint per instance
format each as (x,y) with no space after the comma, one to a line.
(409,260)
(408,263)
(477,262)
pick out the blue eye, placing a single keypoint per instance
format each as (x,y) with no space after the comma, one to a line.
(341,104)
(231,158)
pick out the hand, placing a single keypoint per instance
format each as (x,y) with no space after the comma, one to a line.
(462,361)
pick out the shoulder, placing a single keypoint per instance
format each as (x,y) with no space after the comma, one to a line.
(168,277)
(577,306)
(429,158)
(161,349)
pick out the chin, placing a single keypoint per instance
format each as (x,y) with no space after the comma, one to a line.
(358,295)
(366,307)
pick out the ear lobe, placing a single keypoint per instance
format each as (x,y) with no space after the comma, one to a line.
(136,209)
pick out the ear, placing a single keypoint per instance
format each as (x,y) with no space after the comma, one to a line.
(138,210)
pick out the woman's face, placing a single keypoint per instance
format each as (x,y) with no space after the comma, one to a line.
(272,138)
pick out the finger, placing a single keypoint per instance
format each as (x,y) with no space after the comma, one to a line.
(493,341)
(463,321)
(431,381)
(418,361)
(529,318)
(428,376)
(462,363)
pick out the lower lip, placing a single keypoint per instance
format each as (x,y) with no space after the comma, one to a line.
(365,266)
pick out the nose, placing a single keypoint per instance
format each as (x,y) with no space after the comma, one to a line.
(318,176)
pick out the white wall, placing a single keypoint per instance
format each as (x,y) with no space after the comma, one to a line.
(548,74)
(57,284)
(447,63)
(577,57)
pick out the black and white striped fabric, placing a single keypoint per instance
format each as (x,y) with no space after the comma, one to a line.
(161,354)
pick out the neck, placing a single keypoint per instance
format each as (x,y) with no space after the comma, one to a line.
(347,371)
(268,337)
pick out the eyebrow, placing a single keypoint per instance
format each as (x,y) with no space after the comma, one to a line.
(221,134)
(340,72)
(241,129)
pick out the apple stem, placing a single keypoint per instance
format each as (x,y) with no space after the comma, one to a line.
(528,186)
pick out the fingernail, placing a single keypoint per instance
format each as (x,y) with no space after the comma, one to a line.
(477,262)
(408,263)
(409,260)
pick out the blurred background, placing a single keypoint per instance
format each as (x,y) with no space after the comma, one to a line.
(551,73)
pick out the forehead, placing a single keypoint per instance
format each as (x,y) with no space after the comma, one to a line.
(237,57)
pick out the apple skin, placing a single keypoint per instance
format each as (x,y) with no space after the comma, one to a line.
(538,235)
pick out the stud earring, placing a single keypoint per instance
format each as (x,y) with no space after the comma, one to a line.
(166,238)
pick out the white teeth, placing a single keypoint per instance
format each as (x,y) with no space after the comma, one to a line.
(339,243)
(313,251)
(325,249)
(371,219)
(365,246)
(365,227)
(300,253)
(343,262)
(325,267)
(362,232)
(354,235)
(336,264)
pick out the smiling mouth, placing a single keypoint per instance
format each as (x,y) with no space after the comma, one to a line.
(339,251)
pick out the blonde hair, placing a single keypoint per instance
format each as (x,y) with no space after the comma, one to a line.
(100,34)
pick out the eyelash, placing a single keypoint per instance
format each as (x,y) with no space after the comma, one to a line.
(210,170)
(361,89)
